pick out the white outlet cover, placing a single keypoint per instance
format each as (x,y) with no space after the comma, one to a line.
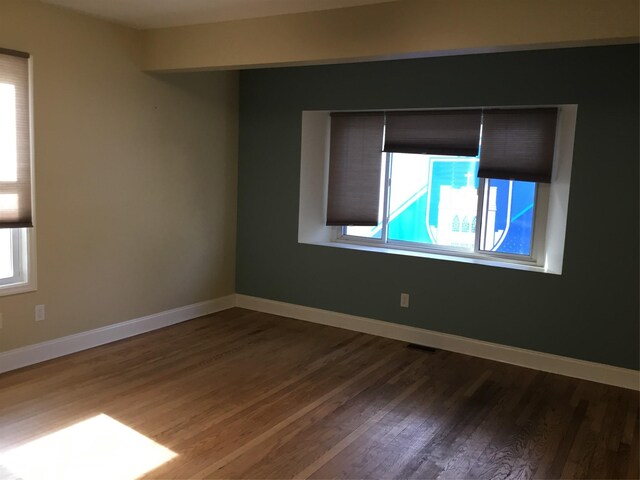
(404,300)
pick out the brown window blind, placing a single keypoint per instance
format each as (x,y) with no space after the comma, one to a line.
(518,144)
(355,168)
(15,143)
(436,132)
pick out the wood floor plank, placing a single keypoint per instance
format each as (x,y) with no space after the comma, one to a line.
(432,459)
(361,459)
(235,430)
(355,434)
(633,467)
(559,455)
(316,434)
(242,394)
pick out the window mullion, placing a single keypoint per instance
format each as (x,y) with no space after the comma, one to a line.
(479,215)
(536,234)
(16,251)
(385,204)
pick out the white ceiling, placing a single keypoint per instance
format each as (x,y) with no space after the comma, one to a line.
(170,13)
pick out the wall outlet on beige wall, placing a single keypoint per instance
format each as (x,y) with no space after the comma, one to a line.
(39,313)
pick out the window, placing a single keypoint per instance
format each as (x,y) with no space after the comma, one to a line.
(441,178)
(17,259)
(436,203)
(453,202)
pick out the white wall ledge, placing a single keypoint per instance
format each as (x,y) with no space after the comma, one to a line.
(435,256)
(314,178)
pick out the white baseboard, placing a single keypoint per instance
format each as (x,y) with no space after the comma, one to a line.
(31,354)
(571,367)
(596,372)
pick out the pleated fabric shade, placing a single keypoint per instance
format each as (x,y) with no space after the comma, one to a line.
(435,132)
(518,144)
(355,168)
(15,142)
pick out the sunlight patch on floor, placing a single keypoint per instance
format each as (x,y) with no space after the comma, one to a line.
(97,448)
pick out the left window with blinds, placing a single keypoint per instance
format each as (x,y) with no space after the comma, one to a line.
(17,237)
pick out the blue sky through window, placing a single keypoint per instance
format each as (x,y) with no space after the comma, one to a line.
(437,190)
(514,208)
(434,199)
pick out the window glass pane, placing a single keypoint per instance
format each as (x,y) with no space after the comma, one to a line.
(6,254)
(366,232)
(433,200)
(408,198)
(508,217)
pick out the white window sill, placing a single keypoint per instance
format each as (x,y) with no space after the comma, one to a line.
(436,256)
(15,289)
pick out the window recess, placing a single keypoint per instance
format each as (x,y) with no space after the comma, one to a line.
(467,183)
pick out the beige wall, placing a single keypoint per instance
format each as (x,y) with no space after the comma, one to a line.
(392,30)
(135,178)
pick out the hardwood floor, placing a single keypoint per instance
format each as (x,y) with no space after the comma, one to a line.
(241,394)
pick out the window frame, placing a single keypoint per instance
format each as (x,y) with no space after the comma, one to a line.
(24,238)
(537,232)
(26,281)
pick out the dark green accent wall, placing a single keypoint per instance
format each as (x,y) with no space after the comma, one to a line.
(590,312)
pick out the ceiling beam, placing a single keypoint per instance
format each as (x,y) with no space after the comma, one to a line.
(402,29)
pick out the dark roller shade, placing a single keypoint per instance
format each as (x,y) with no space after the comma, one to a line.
(354,168)
(15,142)
(518,144)
(436,132)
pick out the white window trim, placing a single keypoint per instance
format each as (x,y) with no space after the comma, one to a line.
(28,235)
(314,175)
(538,233)
(28,257)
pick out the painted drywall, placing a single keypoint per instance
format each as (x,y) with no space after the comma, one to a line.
(589,312)
(406,28)
(135,178)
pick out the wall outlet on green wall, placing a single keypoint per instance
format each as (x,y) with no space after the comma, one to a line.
(404,300)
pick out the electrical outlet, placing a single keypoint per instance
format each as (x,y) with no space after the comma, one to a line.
(404,300)
(39,313)
(1,322)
